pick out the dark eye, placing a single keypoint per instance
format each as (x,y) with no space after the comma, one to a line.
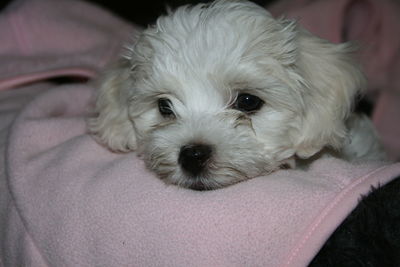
(164,106)
(248,103)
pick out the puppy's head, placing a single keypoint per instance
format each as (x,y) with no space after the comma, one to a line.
(215,94)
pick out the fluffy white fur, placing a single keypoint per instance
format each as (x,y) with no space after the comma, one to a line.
(201,58)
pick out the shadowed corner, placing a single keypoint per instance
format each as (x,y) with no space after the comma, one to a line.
(146,12)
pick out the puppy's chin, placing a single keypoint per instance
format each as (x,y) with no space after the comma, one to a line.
(199,186)
(214,181)
(203,183)
(212,178)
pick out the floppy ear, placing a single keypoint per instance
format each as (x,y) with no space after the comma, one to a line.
(333,79)
(111,125)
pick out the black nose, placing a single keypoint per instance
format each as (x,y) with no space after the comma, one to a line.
(193,158)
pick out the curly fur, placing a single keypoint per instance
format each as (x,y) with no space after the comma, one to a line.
(201,58)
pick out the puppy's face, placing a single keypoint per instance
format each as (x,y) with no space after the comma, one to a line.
(216,94)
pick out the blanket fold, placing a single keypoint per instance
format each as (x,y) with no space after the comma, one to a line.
(65,200)
(43,40)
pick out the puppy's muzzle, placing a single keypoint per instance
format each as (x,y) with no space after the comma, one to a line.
(193,158)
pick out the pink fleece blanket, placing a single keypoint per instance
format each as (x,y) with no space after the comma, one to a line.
(67,201)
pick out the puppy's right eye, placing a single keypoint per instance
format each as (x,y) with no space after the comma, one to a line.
(164,106)
(248,103)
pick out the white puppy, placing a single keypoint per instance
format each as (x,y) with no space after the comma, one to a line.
(218,93)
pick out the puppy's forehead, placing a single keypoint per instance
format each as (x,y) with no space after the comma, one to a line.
(200,94)
(211,38)
(198,53)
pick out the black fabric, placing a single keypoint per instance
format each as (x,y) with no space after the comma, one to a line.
(370,235)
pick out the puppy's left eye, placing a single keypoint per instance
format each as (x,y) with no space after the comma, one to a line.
(248,103)
(164,106)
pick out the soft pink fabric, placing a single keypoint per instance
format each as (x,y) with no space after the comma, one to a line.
(67,201)
(375,25)
(76,204)
(45,39)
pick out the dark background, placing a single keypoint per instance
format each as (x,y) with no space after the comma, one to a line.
(142,12)
(145,12)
